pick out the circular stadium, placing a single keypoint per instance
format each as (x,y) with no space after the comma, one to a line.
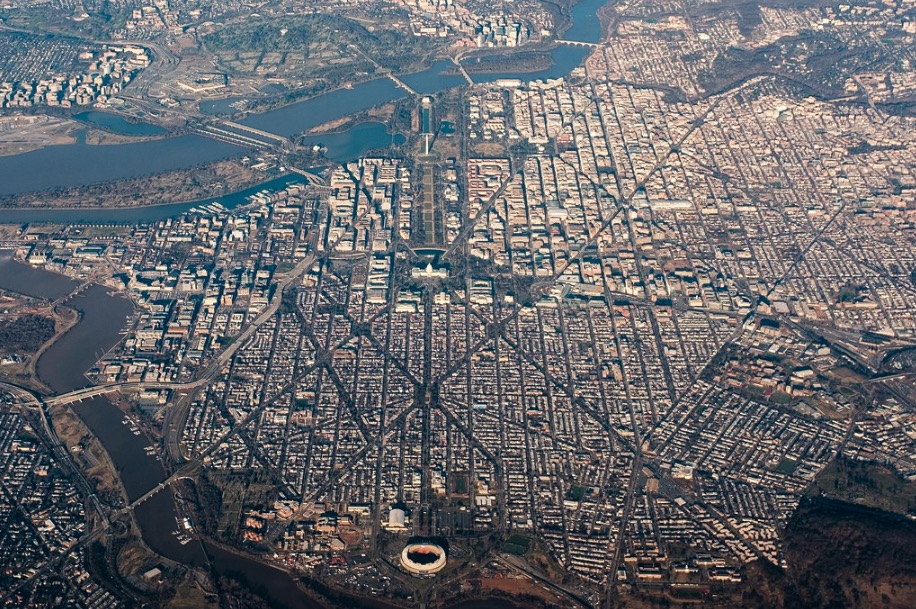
(423,558)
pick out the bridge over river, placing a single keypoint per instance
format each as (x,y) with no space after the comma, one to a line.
(241,135)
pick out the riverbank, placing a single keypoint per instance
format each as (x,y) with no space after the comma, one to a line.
(377,114)
(21,133)
(213,180)
(21,146)
(101,137)
(114,122)
(133,454)
(39,127)
(84,165)
(89,455)
(524,62)
(65,319)
(137,214)
(284,589)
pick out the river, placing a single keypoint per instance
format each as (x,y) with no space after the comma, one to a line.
(23,279)
(135,215)
(82,164)
(585,26)
(118,124)
(64,364)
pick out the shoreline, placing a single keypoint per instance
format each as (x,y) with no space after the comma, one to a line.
(64,140)
(347,126)
(153,206)
(541,47)
(316,590)
(297,581)
(541,51)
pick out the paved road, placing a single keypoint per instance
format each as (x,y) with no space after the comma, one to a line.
(175,416)
(34,411)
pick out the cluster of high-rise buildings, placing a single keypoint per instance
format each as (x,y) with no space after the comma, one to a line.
(108,71)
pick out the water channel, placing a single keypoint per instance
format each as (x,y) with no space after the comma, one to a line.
(63,365)
(62,368)
(135,215)
(82,164)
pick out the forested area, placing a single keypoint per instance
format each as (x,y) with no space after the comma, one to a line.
(25,334)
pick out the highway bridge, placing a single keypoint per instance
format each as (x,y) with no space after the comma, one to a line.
(462,70)
(133,504)
(279,139)
(72,294)
(400,82)
(204,376)
(90,392)
(313,178)
(384,71)
(221,135)
(240,135)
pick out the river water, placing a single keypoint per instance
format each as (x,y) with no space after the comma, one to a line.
(136,215)
(118,124)
(354,142)
(23,279)
(81,164)
(64,364)
(62,367)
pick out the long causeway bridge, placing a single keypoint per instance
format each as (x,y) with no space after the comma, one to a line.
(241,135)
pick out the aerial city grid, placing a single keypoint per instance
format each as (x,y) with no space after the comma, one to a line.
(458,304)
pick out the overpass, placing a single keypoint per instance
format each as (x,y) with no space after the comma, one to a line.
(41,422)
(90,392)
(204,376)
(313,178)
(897,376)
(25,397)
(171,426)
